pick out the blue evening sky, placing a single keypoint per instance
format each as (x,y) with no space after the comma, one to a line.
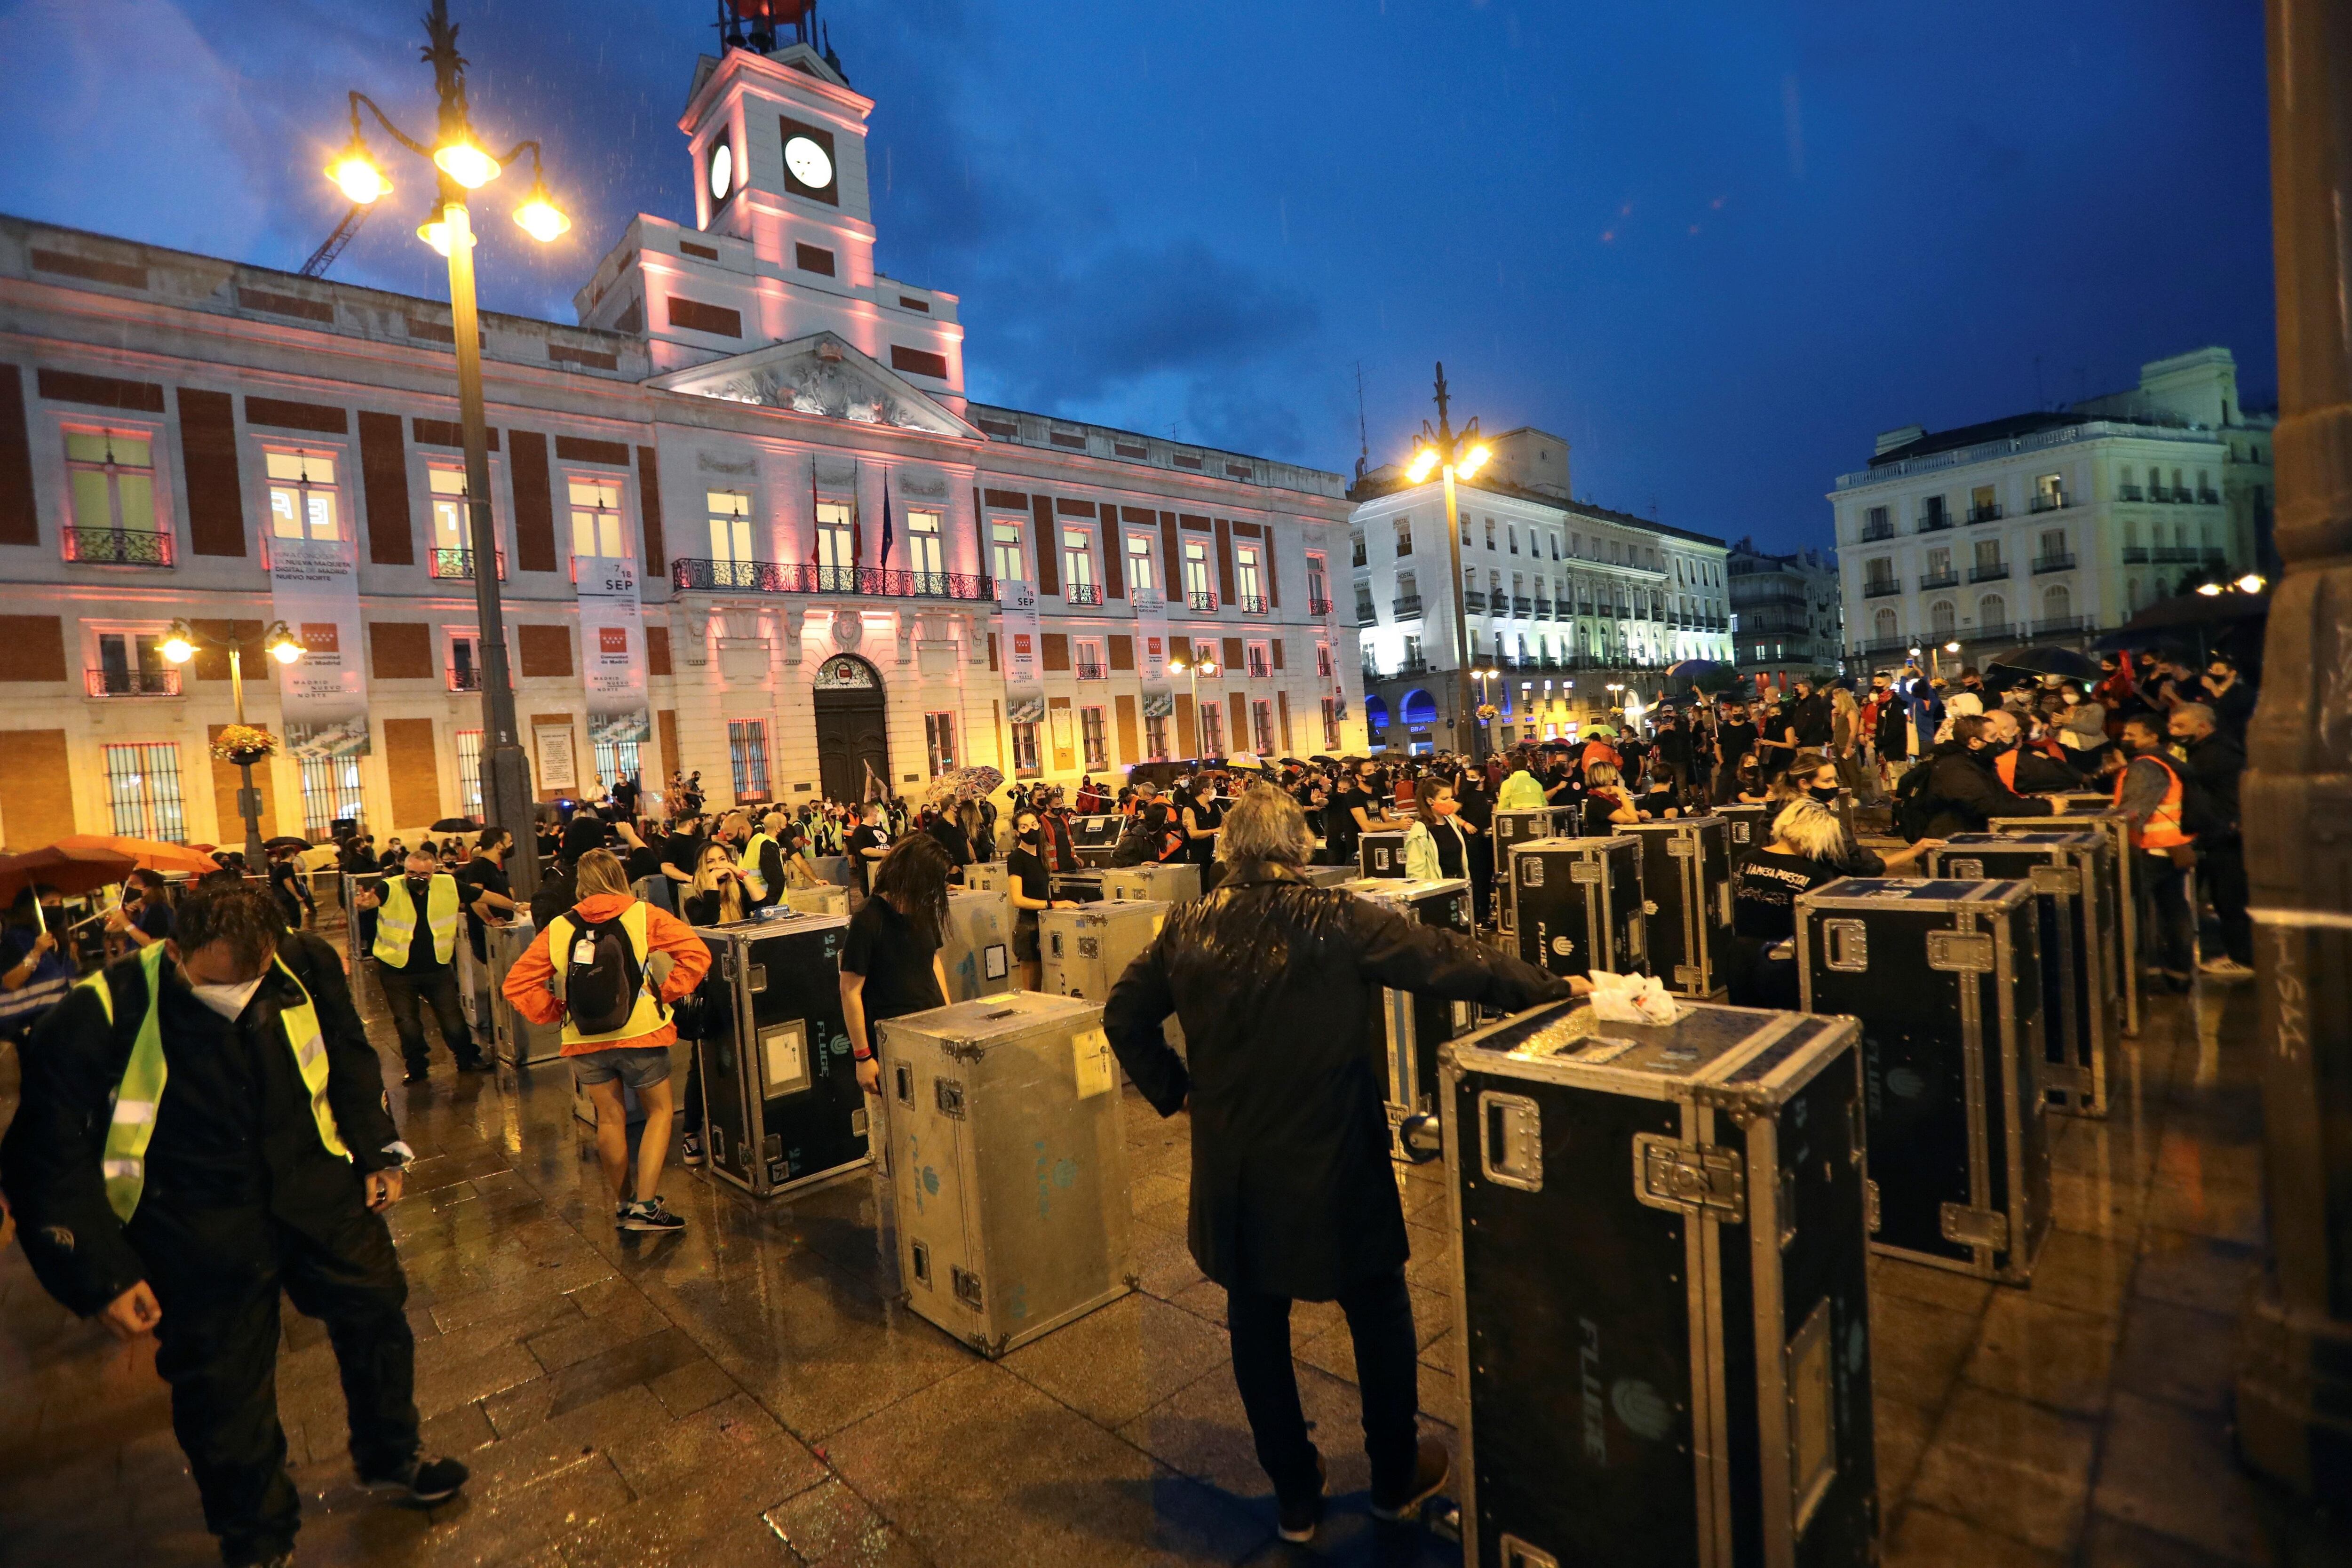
(1716,244)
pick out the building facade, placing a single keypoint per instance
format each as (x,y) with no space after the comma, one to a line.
(1573,605)
(750,525)
(1787,615)
(2053,526)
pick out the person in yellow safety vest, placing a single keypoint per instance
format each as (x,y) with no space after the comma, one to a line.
(418,916)
(572,965)
(203,1127)
(762,862)
(2152,789)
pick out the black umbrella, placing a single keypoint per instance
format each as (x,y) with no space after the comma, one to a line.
(2064,662)
(286,841)
(455,824)
(1692,668)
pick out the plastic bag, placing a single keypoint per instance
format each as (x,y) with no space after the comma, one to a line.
(1631,999)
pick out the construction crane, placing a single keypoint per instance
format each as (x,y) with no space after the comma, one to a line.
(332,246)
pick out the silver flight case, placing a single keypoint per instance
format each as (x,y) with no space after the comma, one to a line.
(518,1041)
(976,949)
(1170,882)
(1086,949)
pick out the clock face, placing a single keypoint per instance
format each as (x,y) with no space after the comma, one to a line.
(722,170)
(808,163)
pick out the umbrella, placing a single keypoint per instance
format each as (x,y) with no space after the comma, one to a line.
(1692,668)
(452,825)
(286,841)
(70,871)
(149,854)
(2059,661)
(967,783)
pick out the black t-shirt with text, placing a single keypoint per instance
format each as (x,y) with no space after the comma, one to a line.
(1764,892)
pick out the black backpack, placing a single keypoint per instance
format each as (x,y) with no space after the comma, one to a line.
(601,977)
(1915,808)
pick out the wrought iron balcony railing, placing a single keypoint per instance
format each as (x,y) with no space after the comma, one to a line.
(1206,604)
(464,678)
(783,577)
(1082,594)
(1991,573)
(443,563)
(1249,604)
(118,546)
(131,682)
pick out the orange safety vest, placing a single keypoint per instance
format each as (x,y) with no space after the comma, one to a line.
(2005,765)
(2163,829)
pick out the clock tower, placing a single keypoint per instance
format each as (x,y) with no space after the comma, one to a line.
(782,242)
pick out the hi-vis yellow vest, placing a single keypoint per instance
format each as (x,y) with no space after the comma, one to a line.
(647,1016)
(141,1092)
(395,922)
(754,881)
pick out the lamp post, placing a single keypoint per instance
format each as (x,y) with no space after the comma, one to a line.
(463,165)
(1195,667)
(1482,677)
(182,642)
(1461,456)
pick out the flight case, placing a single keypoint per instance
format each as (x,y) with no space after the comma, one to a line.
(1687,887)
(1096,839)
(1579,904)
(781,1103)
(1663,1291)
(1945,978)
(516,1040)
(976,949)
(2074,884)
(1746,825)
(1408,1027)
(1382,853)
(988,876)
(1166,882)
(1086,949)
(1010,1167)
(1513,827)
(2097,813)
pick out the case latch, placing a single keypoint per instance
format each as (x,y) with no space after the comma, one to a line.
(1964,952)
(947,1094)
(1682,848)
(1975,1227)
(1668,1175)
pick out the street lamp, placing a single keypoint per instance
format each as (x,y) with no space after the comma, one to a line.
(1196,668)
(1459,457)
(462,163)
(183,642)
(1482,677)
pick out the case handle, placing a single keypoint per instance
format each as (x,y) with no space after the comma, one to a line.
(1510,1141)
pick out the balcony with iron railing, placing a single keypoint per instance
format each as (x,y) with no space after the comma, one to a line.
(1543,609)
(2063,625)
(131,682)
(1877,645)
(2131,492)
(1990,631)
(784,577)
(1091,669)
(1366,615)
(1204,603)
(1249,604)
(1985,513)
(440,562)
(1404,606)
(1474,602)
(2043,565)
(1944,579)
(2177,555)
(2208,498)
(1991,573)
(118,546)
(1935,521)
(1872,532)
(2134,555)
(1317,607)
(1881,587)
(2047,503)
(1082,594)
(465,677)
(1522,605)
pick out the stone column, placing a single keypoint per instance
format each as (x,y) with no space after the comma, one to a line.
(2294,1380)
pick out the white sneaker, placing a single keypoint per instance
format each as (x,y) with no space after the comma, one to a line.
(2226,969)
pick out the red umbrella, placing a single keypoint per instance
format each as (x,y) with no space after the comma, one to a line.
(68,870)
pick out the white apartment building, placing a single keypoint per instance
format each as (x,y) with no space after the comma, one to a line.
(2056,525)
(1563,598)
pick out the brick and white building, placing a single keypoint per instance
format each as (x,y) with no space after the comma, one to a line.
(741,405)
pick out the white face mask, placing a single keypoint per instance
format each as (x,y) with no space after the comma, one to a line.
(228,1001)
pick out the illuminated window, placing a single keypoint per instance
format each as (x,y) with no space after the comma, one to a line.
(1024,749)
(729,512)
(1261,661)
(111,474)
(938,740)
(618,760)
(835,542)
(303,501)
(596,517)
(1330,725)
(1141,578)
(448,487)
(1006,557)
(1090,735)
(1196,575)
(923,552)
(1155,737)
(469,772)
(1262,727)
(747,757)
(1248,586)
(143,790)
(1318,589)
(1323,660)
(1212,731)
(1078,563)
(331,792)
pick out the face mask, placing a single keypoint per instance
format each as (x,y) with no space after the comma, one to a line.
(228,1001)
(1826,797)
(419,886)
(1445,807)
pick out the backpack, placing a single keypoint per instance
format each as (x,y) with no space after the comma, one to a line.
(601,977)
(1915,808)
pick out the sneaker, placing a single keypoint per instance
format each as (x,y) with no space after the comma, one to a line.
(1300,1515)
(421,1480)
(691,1149)
(416,1073)
(2227,969)
(1432,1467)
(649,1216)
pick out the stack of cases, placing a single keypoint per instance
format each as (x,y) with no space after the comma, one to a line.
(516,1040)
(1077,887)
(781,1107)
(1579,904)
(1010,1167)
(1096,839)
(1687,884)
(988,876)
(1945,978)
(1328,876)
(976,949)
(2073,878)
(1381,853)
(2096,813)
(1662,1290)
(1156,883)
(1407,1027)
(1085,950)
(1513,827)
(827,899)
(1745,825)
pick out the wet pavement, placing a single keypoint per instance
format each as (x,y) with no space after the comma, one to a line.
(749,1392)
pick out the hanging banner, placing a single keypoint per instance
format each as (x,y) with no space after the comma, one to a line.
(1023,650)
(1151,649)
(611,650)
(323,695)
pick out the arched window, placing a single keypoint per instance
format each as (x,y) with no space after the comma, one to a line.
(1992,611)
(2057,605)
(1882,627)
(1941,619)
(1376,717)
(1420,710)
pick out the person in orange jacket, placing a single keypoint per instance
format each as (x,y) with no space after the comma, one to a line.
(616,1036)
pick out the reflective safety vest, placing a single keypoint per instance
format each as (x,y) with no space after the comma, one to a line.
(2005,765)
(141,1092)
(395,922)
(647,1015)
(754,881)
(2164,828)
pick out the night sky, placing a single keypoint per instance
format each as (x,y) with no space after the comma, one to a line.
(1718,250)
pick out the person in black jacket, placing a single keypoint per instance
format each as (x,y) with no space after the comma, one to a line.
(1963,791)
(264,1164)
(1293,1197)
(2215,761)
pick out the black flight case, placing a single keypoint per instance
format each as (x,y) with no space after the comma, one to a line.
(2088,813)
(1748,827)
(2073,880)
(1579,904)
(1407,1027)
(1515,828)
(1686,888)
(1945,978)
(781,1108)
(1663,1291)
(1380,852)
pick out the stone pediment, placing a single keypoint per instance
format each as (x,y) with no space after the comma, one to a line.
(821,375)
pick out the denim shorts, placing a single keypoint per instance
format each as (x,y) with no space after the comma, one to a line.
(638,1066)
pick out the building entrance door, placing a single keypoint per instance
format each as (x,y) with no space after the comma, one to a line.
(852,750)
